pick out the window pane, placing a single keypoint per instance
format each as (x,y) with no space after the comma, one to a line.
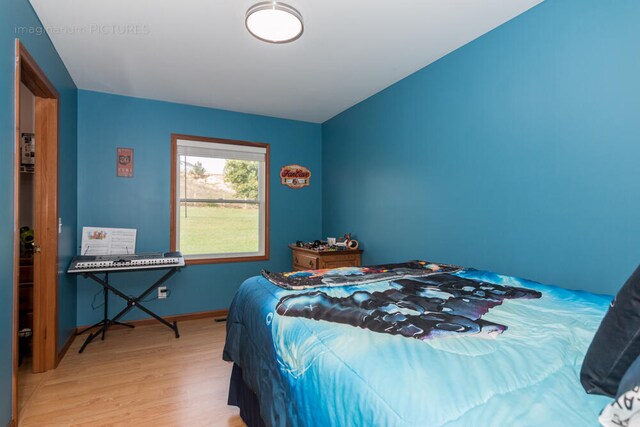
(208,178)
(218,228)
(220,194)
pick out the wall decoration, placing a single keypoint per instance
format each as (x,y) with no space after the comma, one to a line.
(295,176)
(125,162)
(28,149)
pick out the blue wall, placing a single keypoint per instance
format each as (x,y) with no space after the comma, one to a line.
(109,121)
(517,153)
(19,13)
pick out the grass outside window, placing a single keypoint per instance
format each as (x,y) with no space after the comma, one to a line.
(218,229)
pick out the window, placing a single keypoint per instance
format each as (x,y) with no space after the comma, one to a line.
(219,199)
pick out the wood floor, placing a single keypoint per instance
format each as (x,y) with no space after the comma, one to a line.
(137,377)
(27,382)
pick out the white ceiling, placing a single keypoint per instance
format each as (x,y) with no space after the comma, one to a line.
(199,52)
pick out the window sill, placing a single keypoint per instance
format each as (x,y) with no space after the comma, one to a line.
(199,261)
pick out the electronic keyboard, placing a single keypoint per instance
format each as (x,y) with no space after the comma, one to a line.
(97,263)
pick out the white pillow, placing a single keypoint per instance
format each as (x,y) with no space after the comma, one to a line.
(624,411)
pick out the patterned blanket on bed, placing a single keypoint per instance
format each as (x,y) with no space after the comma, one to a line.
(440,305)
(307,354)
(344,276)
(423,300)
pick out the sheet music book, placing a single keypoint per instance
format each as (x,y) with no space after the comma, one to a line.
(108,241)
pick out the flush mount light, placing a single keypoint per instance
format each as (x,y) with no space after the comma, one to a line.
(274,22)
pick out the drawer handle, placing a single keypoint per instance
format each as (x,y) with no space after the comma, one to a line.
(310,263)
(297,262)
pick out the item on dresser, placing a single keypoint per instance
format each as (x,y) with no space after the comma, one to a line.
(319,245)
(341,243)
(346,242)
(331,244)
(89,266)
(306,258)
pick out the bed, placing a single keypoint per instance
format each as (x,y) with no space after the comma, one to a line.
(306,357)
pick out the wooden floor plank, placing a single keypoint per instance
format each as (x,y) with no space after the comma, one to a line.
(137,377)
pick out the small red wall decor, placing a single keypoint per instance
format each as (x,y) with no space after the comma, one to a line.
(295,176)
(124,162)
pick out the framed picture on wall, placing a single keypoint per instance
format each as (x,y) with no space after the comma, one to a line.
(124,162)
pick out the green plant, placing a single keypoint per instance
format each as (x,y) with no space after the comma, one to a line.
(242,176)
(198,171)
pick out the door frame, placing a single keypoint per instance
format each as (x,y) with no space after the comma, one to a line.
(45,298)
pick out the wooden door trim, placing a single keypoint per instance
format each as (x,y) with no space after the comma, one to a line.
(45,291)
(31,75)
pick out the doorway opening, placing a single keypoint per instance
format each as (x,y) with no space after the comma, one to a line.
(35,225)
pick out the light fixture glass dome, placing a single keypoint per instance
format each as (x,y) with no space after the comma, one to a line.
(274,22)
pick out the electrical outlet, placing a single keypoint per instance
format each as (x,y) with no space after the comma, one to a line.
(162,292)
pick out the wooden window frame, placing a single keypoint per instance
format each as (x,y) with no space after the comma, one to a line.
(174,205)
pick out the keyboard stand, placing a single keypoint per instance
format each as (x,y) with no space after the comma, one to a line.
(132,302)
(105,319)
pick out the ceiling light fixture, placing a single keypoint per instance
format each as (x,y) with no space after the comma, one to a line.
(274,22)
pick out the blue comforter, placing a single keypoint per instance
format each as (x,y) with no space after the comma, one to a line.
(309,372)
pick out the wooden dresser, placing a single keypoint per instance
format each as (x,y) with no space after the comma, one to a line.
(309,259)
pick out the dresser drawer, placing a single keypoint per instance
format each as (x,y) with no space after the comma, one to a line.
(304,262)
(343,260)
(337,263)
(343,257)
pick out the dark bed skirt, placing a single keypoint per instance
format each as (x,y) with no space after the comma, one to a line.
(243,397)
